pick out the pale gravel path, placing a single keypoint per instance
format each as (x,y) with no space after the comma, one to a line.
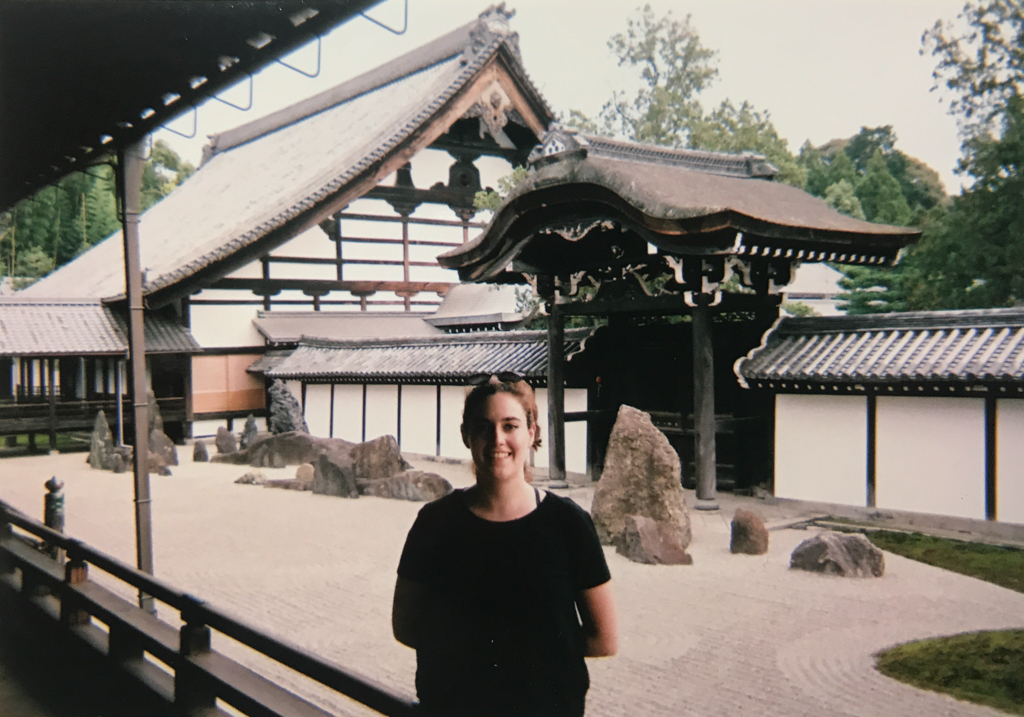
(729,635)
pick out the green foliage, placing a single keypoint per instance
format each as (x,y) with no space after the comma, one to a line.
(489,199)
(983,667)
(798,309)
(880,195)
(840,196)
(61,221)
(675,68)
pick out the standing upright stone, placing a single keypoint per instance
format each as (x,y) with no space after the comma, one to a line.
(199,453)
(250,433)
(156,419)
(225,441)
(285,411)
(161,445)
(641,477)
(101,448)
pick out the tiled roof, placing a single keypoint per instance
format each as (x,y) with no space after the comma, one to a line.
(277,169)
(59,327)
(475,304)
(939,346)
(287,327)
(425,360)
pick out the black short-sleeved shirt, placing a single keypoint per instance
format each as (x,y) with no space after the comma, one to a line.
(501,635)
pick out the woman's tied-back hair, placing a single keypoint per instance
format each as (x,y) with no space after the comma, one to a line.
(477,398)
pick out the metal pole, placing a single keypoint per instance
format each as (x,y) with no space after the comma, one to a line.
(704,403)
(129,165)
(556,392)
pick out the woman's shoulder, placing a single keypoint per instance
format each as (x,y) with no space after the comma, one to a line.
(566,508)
(444,506)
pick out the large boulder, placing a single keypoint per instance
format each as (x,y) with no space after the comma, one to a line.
(250,433)
(333,474)
(409,485)
(749,536)
(284,449)
(199,453)
(654,542)
(161,445)
(377,459)
(288,484)
(101,448)
(641,478)
(846,554)
(225,441)
(285,411)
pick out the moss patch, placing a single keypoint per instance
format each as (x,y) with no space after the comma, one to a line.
(999,565)
(983,667)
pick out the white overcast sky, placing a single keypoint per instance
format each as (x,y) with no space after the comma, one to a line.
(822,68)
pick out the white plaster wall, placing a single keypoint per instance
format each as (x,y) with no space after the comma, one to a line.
(419,419)
(348,412)
(452,400)
(381,411)
(930,455)
(207,428)
(821,448)
(576,432)
(295,387)
(1010,460)
(318,409)
(215,326)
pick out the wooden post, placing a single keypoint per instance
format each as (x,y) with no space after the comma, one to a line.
(76,572)
(119,389)
(129,175)
(191,692)
(704,403)
(556,392)
(51,394)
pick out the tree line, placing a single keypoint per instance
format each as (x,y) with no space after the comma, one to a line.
(65,219)
(971,254)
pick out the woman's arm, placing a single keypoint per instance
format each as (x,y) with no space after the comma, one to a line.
(407,612)
(600,624)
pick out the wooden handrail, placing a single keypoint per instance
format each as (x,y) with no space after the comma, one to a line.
(213,670)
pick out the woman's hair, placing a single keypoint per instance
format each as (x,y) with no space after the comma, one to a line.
(476,400)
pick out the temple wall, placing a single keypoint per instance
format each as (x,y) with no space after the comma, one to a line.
(1010,460)
(931,455)
(821,448)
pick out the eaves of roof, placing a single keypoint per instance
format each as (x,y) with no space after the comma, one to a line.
(921,347)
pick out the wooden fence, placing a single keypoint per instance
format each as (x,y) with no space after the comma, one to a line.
(63,593)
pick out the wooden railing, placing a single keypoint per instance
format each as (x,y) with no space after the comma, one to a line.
(201,675)
(73,415)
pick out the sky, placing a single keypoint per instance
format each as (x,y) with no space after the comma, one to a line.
(822,68)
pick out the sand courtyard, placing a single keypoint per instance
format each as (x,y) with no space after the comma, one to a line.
(728,635)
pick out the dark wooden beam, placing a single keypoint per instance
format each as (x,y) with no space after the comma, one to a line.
(991,476)
(704,403)
(669,304)
(872,450)
(556,393)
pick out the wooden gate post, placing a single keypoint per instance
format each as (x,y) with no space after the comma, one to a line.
(556,392)
(704,403)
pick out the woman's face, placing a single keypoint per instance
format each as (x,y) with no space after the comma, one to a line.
(500,439)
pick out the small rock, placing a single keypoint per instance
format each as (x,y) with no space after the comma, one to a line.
(846,554)
(305,473)
(225,441)
(120,466)
(654,542)
(749,536)
(333,474)
(199,453)
(285,410)
(409,485)
(252,478)
(250,432)
(162,470)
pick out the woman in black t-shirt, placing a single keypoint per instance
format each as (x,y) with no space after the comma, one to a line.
(503,589)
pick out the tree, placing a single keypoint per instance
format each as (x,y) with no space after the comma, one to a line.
(880,195)
(674,69)
(840,196)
